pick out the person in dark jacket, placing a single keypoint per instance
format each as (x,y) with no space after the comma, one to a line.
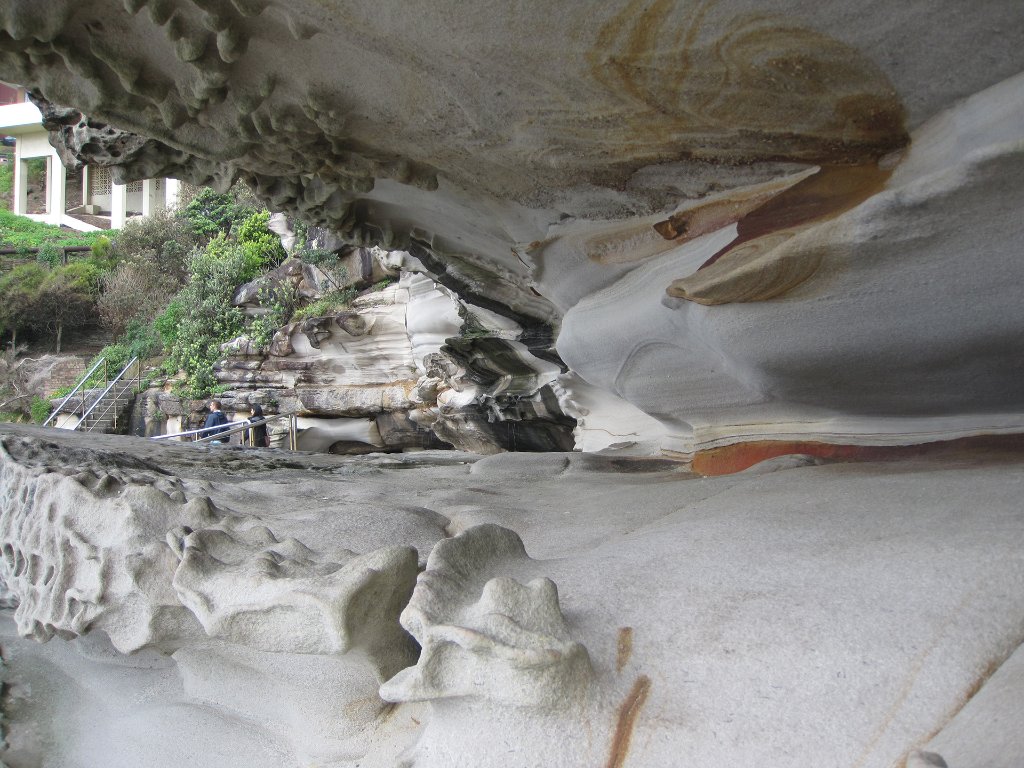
(215,419)
(260,438)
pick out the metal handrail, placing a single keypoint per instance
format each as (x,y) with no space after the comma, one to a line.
(82,383)
(236,427)
(106,392)
(112,403)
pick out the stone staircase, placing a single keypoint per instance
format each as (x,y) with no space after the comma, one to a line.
(101,409)
(110,410)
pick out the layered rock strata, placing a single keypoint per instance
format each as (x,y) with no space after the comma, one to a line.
(410,366)
(739,215)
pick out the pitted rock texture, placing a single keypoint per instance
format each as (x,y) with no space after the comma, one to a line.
(486,636)
(115,545)
(70,567)
(293,602)
(804,614)
(704,209)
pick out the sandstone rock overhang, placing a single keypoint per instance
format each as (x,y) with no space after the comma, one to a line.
(748,221)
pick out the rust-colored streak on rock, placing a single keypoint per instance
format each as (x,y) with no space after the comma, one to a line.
(625,647)
(629,710)
(758,265)
(735,458)
(686,80)
(758,270)
(715,214)
(828,193)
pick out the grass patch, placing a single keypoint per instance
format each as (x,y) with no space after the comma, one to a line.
(24,233)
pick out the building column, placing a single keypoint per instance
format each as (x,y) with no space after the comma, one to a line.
(56,189)
(172,189)
(153,196)
(20,182)
(86,197)
(118,205)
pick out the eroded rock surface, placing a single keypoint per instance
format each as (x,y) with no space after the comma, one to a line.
(660,617)
(696,227)
(733,219)
(409,366)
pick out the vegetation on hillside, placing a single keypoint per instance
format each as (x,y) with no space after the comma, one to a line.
(162,286)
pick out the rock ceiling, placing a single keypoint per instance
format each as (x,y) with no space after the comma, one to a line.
(806,206)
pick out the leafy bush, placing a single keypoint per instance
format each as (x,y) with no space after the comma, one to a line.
(210,212)
(50,255)
(103,249)
(41,409)
(330,303)
(163,238)
(167,322)
(207,318)
(261,246)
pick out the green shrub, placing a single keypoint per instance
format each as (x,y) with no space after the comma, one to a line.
(261,246)
(164,238)
(210,212)
(50,255)
(41,409)
(102,249)
(168,322)
(142,339)
(205,316)
(330,303)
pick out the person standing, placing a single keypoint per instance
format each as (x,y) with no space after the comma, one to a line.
(214,420)
(260,438)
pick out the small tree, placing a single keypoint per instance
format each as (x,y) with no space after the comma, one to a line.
(19,290)
(211,212)
(203,314)
(66,298)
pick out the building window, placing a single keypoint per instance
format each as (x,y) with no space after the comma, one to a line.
(99,181)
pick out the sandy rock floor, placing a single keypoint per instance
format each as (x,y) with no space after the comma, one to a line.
(791,615)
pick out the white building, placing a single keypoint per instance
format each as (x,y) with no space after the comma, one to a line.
(100,197)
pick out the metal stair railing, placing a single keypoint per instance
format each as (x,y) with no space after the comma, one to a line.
(110,403)
(80,387)
(241,428)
